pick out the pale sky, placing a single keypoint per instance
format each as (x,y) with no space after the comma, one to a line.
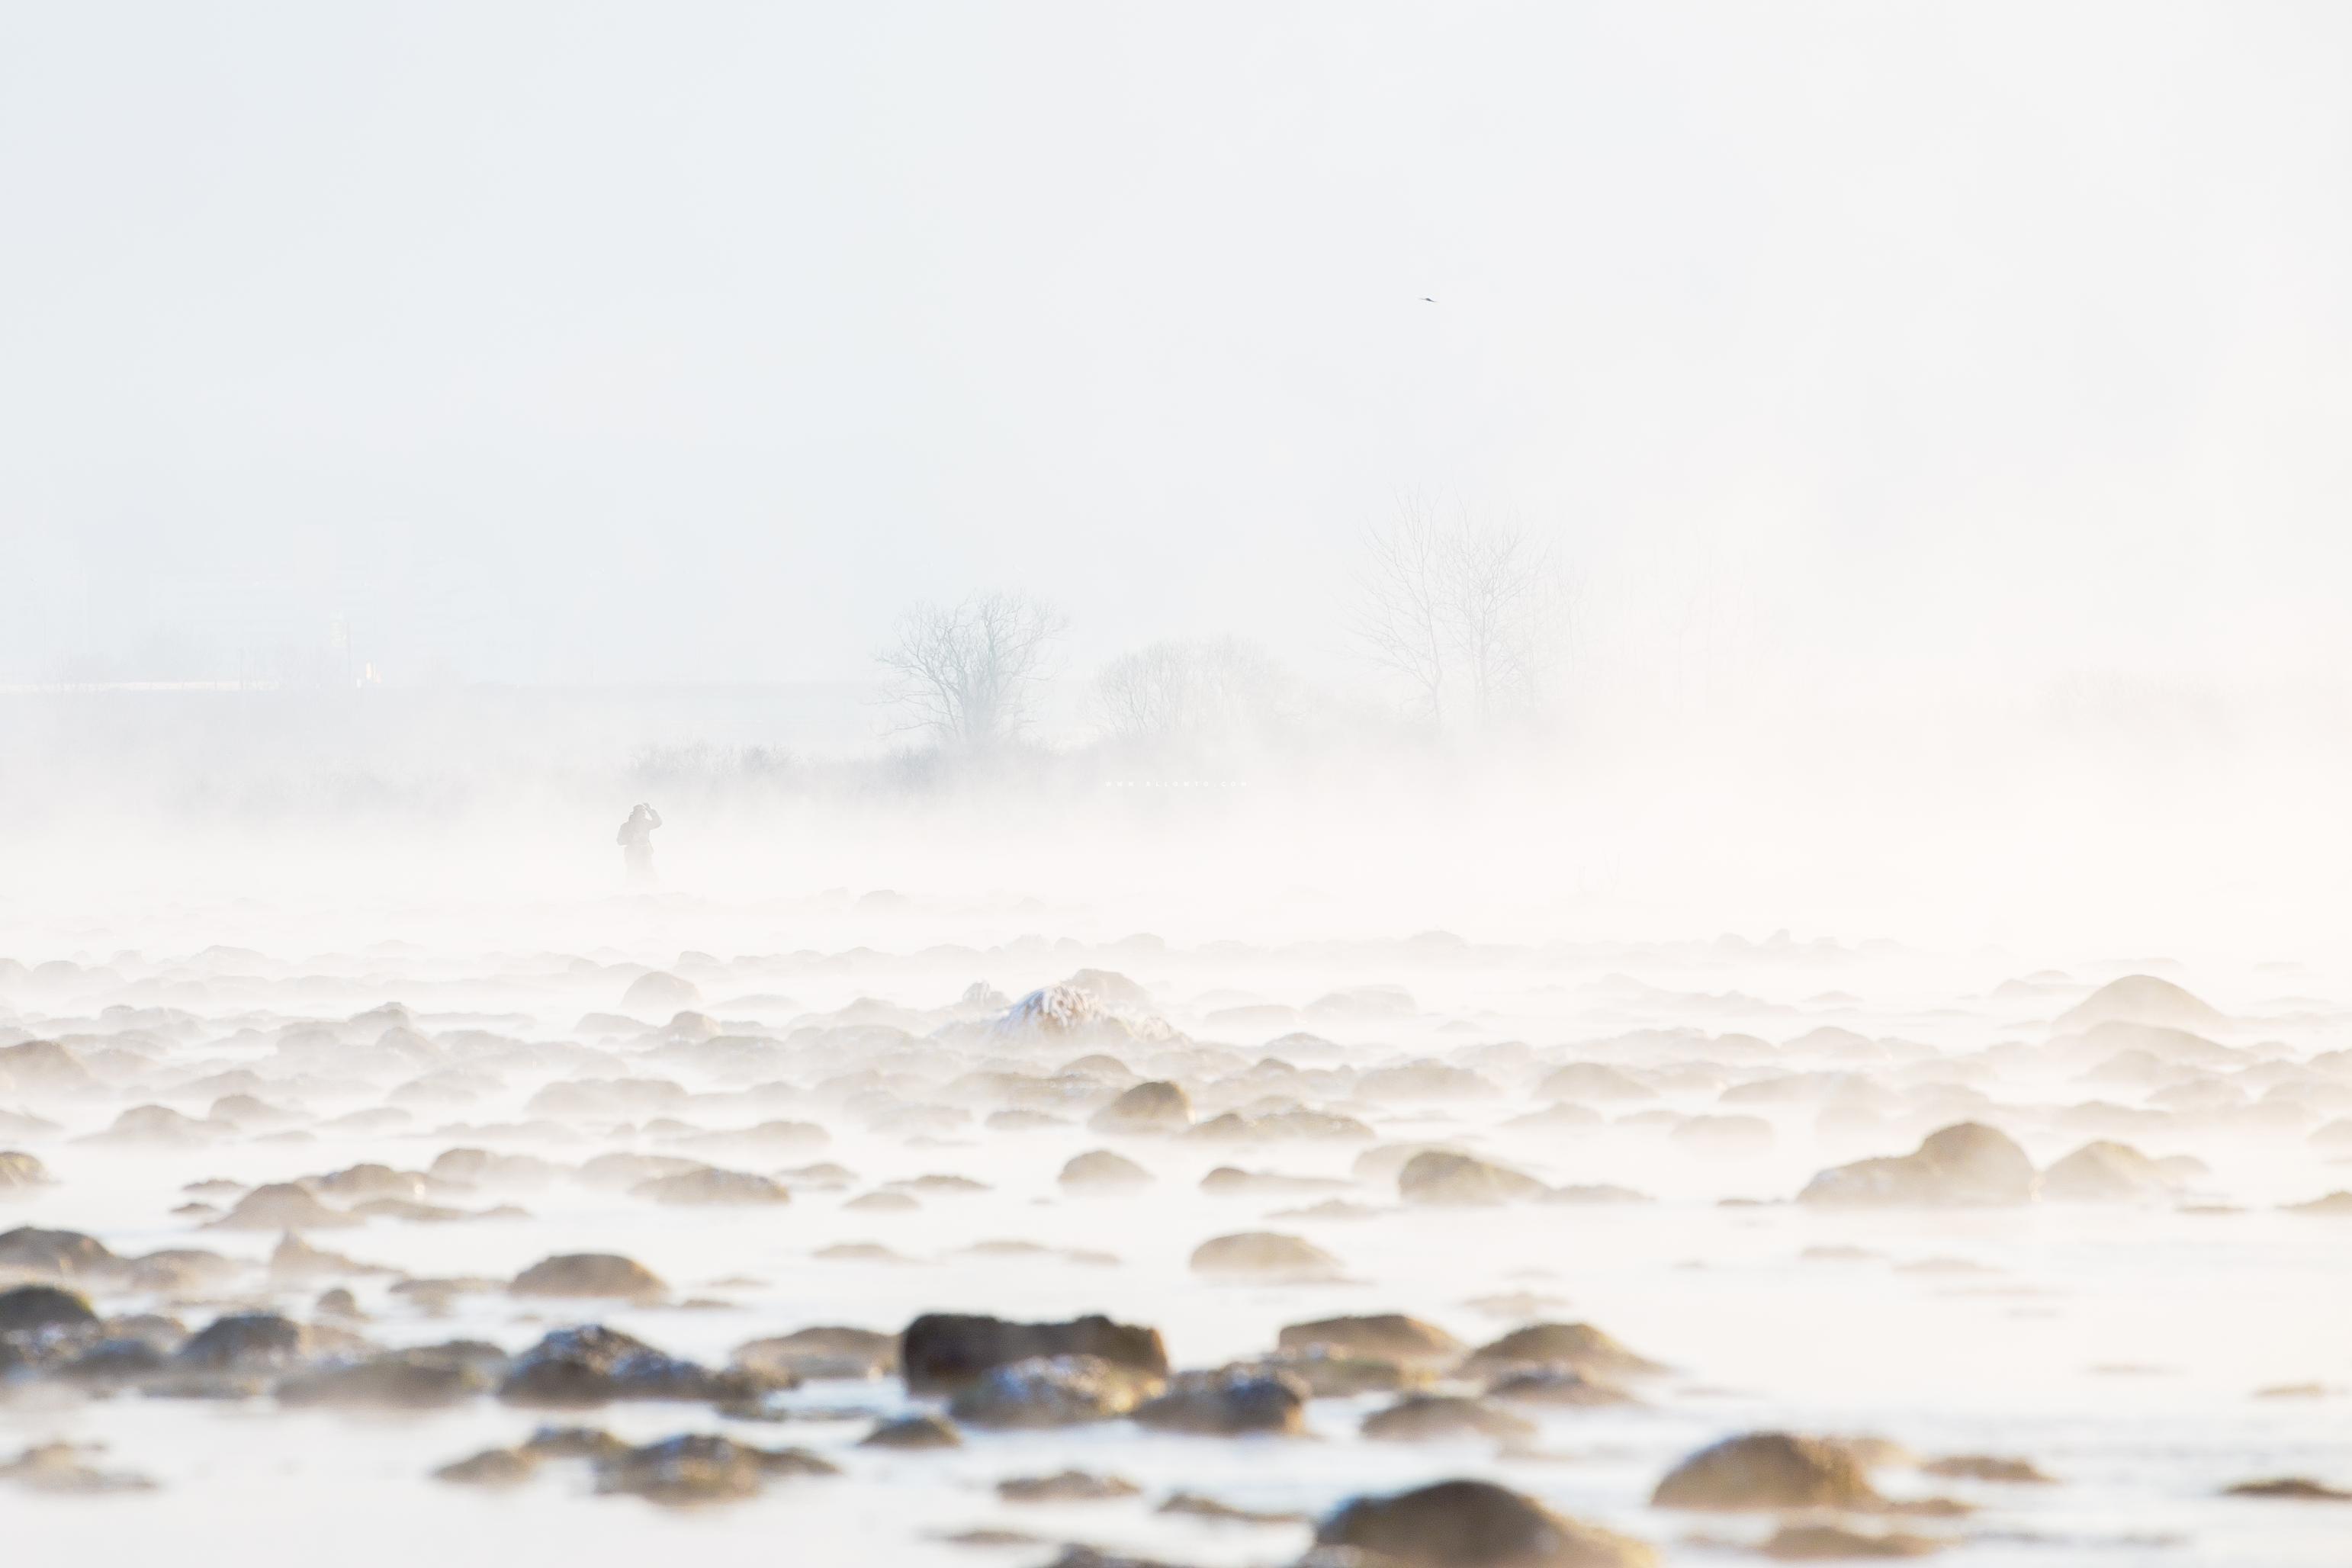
(560,342)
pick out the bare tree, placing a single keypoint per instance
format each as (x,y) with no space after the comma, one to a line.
(969,673)
(1236,686)
(1400,617)
(1146,695)
(1470,613)
(1505,612)
(1213,689)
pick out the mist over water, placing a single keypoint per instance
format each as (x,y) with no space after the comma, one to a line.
(1594,751)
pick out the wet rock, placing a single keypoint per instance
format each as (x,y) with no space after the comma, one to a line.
(1726,1135)
(20,1172)
(1475,1524)
(1386,1336)
(358,1183)
(181,1271)
(924,1431)
(409,1213)
(658,990)
(1593,1082)
(1577,1347)
(711,1189)
(1966,1165)
(1069,1485)
(2142,999)
(1421,1082)
(1263,1255)
(1110,986)
(1080,1556)
(45,1066)
(66,1468)
(482,1168)
(1875,1453)
(1194,1505)
(160,1126)
(1768,1470)
(822,1352)
(251,1113)
(61,1254)
(1228,1403)
(1100,1170)
(589,1274)
(593,1364)
(1835,1542)
(491,1467)
(246,1341)
(2294,1488)
(295,1260)
(1560,1387)
(992,1536)
(2336,1204)
(416,1379)
(1232,1182)
(1148,1108)
(2104,1172)
(941,1352)
(941,1183)
(1444,1176)
(702,1468)
(36,1308)
(283,1206)
(117,1360)
(623,1169)
(1386,1161)
(1020,1120)
(1433,1418)
(1053,1391)
(1283,1125)
(1329,1377)
(591,1443)
(1986,1468)
(1595,1192)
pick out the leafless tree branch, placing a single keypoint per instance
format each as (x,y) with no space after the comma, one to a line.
(969,673)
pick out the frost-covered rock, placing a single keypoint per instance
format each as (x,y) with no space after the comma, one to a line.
(1067,1013)
(593,1364)
(1053,1391)
(941,1352)
(1228,1403)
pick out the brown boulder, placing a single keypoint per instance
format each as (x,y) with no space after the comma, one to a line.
(941,1352)
(1475,1524)
(1768,1470)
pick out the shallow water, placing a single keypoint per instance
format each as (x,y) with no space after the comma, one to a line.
(2119,1347)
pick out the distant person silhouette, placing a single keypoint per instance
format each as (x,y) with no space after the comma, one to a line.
(636,842)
